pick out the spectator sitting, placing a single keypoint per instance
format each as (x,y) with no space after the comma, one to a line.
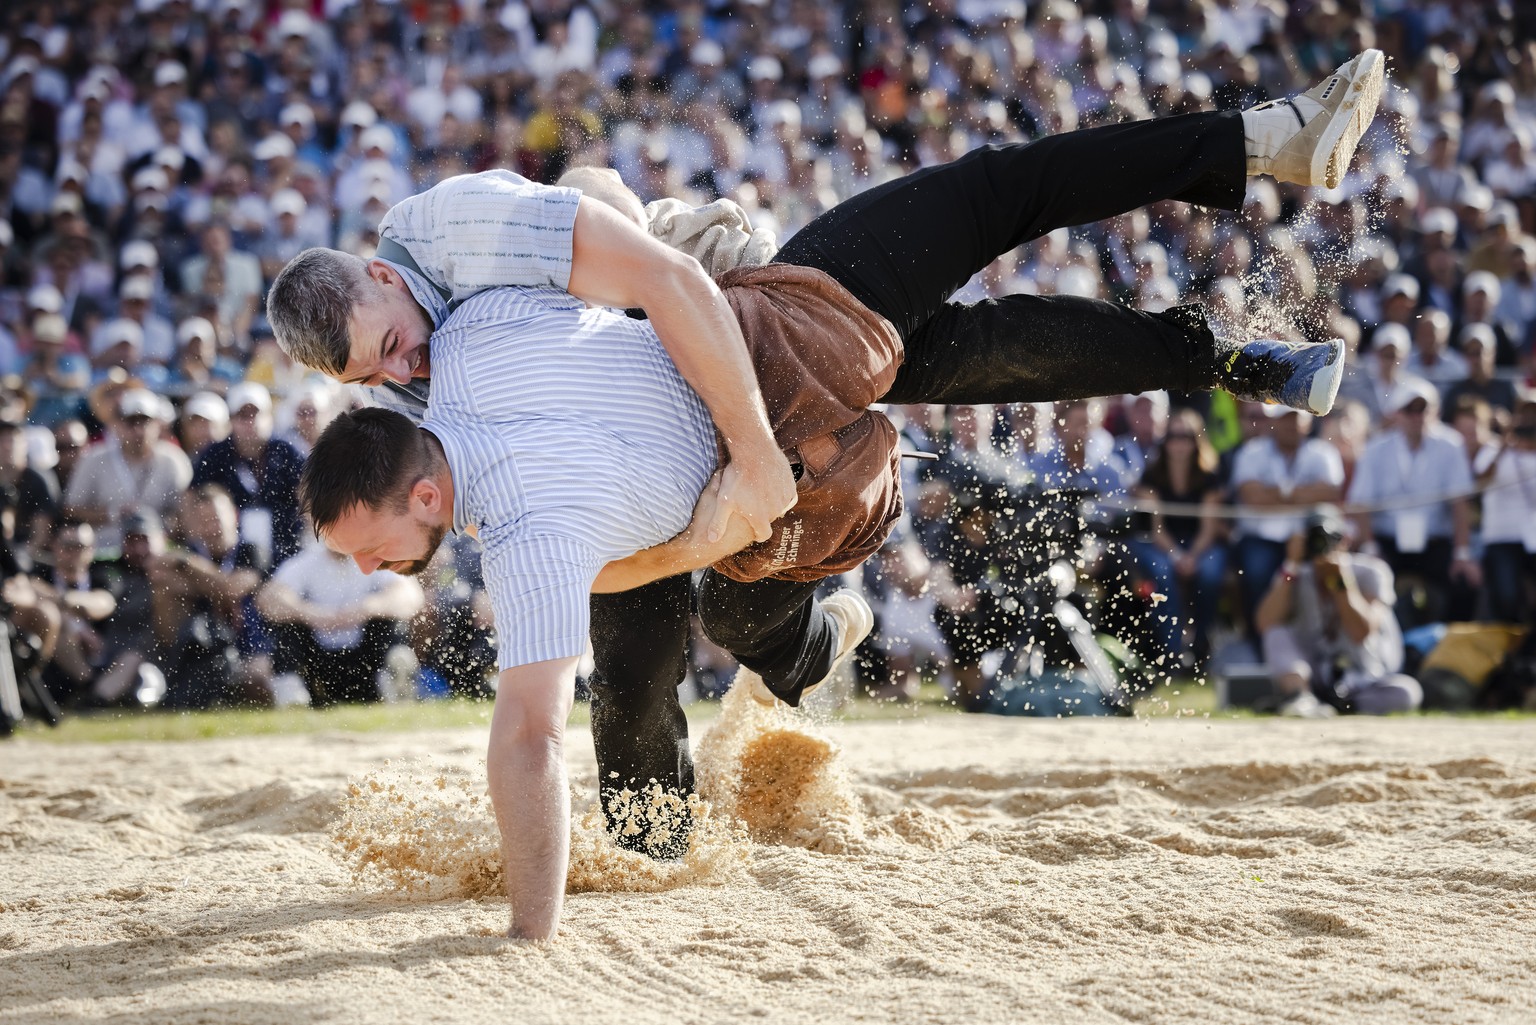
(1329,631)
(118,345)
(134,296)
(1477,347)
(69,440)
(1509,519)
(308,410)
(1389,346)
(128,638)
(204,421)
(230,276)
(454,636)
(61,389)
(906,640)
(283,239)
(133,469)
(30,610)
(1280,469)
(1432,358)
(202,613)
(1481,293)
(1079,460)
(1146,420)
(1184,555)
(334,625)
(36,496)
(1472,420)
(198,365)
(84,602)
(259,472)
(1517,293)
(1426,534)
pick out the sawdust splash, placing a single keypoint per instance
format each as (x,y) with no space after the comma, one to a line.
(431,832)
(764,775)
(769,770)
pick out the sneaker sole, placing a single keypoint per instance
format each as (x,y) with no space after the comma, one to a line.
(1336,147)
(1325,383)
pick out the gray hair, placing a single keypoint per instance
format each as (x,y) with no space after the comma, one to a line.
(310,307)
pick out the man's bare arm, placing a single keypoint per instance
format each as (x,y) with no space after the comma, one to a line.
(526,766)
(615,263)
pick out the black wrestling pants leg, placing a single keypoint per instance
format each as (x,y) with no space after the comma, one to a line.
(640,646)
(903,248)
(776,628)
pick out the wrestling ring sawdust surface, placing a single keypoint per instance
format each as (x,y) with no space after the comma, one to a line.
(940,869)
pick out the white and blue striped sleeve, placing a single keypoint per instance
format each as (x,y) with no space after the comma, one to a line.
(540,588)
(479,231)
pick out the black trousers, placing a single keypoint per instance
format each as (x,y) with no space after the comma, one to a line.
(902,249)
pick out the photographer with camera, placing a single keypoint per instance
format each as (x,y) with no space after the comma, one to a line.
(1331,641)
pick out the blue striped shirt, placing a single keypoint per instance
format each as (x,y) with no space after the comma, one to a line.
(573,441)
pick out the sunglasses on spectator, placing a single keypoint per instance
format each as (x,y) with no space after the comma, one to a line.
(1416,408)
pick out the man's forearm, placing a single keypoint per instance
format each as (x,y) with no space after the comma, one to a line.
(533,811)
(701,334)
(526,768)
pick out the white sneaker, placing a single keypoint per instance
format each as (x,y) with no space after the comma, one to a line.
(1310,139)
(1306,706)
(851,615)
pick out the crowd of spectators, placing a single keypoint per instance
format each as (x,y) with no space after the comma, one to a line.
(160,161)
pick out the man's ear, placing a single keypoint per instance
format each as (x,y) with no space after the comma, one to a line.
(428,494)
(386,275)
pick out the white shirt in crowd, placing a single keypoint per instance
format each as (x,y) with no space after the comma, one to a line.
(1390,471)
(105,479)
(1509,506)
(1261,460)
(321,577)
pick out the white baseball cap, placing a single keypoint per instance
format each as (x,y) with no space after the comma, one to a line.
(45,297)
(1410,389)
(151,178)
(288,201)
(1400,284)
(140,402)
(297,114)
(208,406)
(360,114)
(377,137)
(273,147)
(1391,336)
(139,253)
(116,332)
(136,286)
(249,393)
(170,73)
(196,327)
